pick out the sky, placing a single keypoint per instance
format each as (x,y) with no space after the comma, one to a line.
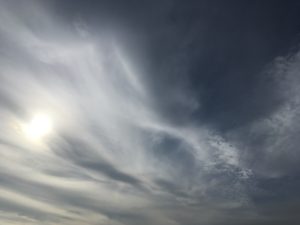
(149,112)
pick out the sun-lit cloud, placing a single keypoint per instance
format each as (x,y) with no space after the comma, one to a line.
(87,136)
(39,126)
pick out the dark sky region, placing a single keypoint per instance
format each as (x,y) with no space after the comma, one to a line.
(149,112)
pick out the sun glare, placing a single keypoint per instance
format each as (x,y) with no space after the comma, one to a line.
(38,127)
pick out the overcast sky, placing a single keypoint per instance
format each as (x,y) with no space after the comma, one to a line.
(162,112)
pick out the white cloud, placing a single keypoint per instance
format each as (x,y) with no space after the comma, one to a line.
(99,101)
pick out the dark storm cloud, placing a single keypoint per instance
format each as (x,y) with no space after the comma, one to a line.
(164,112)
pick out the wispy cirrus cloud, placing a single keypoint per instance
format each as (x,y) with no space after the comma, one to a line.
(113,157)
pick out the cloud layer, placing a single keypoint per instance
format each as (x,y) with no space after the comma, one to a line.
(137,142)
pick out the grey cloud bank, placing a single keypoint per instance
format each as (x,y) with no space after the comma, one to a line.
(157,117)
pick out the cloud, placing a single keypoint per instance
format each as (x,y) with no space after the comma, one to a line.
(123,151)
(274,136)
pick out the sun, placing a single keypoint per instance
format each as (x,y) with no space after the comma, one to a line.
(39,126)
